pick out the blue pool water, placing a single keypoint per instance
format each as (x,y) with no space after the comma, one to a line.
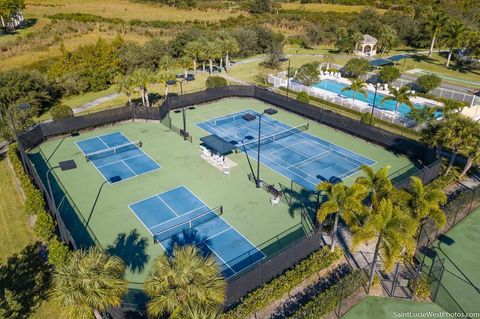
(336,87)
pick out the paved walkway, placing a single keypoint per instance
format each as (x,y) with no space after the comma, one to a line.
(96,102)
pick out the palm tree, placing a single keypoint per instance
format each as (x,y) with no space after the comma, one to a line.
(451,106)
(182,280)
(126,85)
(230,46)
(424,204)
(452,133)
(212,52)
(342,201)
(192,50)
(423,115)
(184,63)
(357,86)
(471,149)
(199,312)
(401,95)
(88,283)
(376,183)
(435,23)
(454,37)
(142,78)
(393,228)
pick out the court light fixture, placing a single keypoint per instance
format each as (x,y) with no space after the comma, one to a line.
(188,78)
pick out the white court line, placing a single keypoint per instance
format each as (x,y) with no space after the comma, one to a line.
(190,212)
(168,206)
(135,174)
(224,262)
(115,162)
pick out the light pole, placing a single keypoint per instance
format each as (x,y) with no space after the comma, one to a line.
(250,117)
(64,166)
(173,82)
(284,59)
(22,107)
(377,85)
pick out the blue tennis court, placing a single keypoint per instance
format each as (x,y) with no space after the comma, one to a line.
(179,217)
(116,157)
(290,151)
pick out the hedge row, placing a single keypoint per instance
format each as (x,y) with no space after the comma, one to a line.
(281,285)
(328,300)
(358,114)
(35,205)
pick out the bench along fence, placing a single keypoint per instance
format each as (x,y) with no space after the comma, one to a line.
(427,161)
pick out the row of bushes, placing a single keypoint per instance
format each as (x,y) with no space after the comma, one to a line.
(382,123)
(35,205)
(284,283)
(328,300)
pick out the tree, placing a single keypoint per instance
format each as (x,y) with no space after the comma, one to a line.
(308,73)
(428,82)
(230,46)
(342,201)
(303,97)
(471,148)
(376,183)
(142,78)
(184,280)
(388,74)
(61,111)
(199,312)
(192,50)
(401,96)
(452,133)
(88,283)
(347,40)
(11,14)
(454,37)
(357,67)
(393,229)
(126,84)
(357,86)
(425,202)
(10,307)
(423,115)
(387,38)
(435,23)
(451,106)
(184,62)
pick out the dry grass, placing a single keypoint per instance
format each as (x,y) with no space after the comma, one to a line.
(123,9)
(322,7)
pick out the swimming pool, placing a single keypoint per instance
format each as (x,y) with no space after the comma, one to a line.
(336,87)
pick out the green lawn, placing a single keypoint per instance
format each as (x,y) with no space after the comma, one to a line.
(389,308)
(18,243)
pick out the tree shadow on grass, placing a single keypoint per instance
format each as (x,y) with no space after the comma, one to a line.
(25,277)
(132,249)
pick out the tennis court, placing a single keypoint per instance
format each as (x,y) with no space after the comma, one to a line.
(179,217)
(290,151)
(116,157)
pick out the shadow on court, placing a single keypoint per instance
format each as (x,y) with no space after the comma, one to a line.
(131,248)
(189,237)
(24,282)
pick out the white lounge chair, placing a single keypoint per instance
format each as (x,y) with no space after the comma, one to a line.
(275,200)
(226,170)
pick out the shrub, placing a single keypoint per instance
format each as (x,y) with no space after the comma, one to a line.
(422,290)
(44,226)
(279,286)
(215,82)
(428,82)
(367,118)
(58,253)
(61,111)
(328,300)
(303,97)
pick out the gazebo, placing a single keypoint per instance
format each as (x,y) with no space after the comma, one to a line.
(367,46)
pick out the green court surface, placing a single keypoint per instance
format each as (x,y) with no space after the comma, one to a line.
(93,208)
(389,308)
(460,282)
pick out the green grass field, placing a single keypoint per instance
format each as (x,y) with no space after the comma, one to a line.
(105,207)
(16,237)
(389,308)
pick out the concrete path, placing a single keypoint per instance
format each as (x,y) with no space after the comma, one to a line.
(96,102)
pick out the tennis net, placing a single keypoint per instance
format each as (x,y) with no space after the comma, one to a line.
(113,150)
(187,225)
(277,136)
